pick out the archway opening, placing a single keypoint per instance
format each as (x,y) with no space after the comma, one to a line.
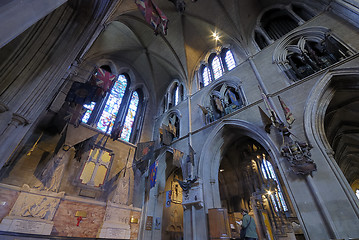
(249,179)
(341,126)
(172,218)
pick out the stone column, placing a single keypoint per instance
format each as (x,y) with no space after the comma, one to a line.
(14,20)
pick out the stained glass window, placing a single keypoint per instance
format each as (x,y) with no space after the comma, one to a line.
(277,197)
(89,109)
(217,67)
(206,76)
(229,59)
(113,104)
(131,113)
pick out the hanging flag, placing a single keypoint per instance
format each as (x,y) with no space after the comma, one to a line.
(272,114)
(265,119)
(191,154)
(177,157)
(75,114)
(233,97)
(103,80)
(165,135)
(218,103)
(144,150)
(288,114)
(168,198)
(153,174)
(204,110)
(172,129)
(82,93)
(153,15)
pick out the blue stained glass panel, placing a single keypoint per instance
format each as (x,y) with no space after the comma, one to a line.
(89,109)
(268,172)
(229,60)
(217,68)
(206,75)
(131,113)
(112,104)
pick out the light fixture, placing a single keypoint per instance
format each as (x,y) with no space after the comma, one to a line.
(215,36)
(269,192)
(221,170)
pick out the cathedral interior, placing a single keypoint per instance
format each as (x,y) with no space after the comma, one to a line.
(164,119)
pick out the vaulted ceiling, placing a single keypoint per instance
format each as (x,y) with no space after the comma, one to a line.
(159,59)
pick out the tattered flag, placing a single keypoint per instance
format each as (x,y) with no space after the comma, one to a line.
(153,15)
(288,114)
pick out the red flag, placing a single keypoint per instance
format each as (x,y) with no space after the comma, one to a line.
(272,114)
(288,114)
(153,15)
(103,80)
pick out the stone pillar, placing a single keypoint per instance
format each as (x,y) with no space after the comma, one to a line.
(14,20)
(195,219)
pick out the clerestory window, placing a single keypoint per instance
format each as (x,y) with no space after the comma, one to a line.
(216,66)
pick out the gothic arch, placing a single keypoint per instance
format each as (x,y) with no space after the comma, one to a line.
(211,155)
(314,115)
(298,58)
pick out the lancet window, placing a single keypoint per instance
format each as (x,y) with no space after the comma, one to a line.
(117,111)
(174,95)
(216,66)
(274,192)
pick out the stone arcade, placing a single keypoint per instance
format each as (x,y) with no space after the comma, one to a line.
(116,123)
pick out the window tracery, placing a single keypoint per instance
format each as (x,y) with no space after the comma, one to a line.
(306,52)
(217,65)
(117,110)
(223,99)
(175,94)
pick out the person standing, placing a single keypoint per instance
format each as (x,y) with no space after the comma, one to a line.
(250,226)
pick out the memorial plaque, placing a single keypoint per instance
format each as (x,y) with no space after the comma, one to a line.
(149,222)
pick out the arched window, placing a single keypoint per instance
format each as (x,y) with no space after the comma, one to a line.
(217,67)
(311,50)
(130,117)
(276,196)
(206,74)
(176,95)
(112,105)
(118,107)
(229,60)
(357,193)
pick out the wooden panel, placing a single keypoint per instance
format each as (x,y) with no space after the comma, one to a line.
(218,223)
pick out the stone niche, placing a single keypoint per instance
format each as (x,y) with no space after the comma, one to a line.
(32,212)
(117,222)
